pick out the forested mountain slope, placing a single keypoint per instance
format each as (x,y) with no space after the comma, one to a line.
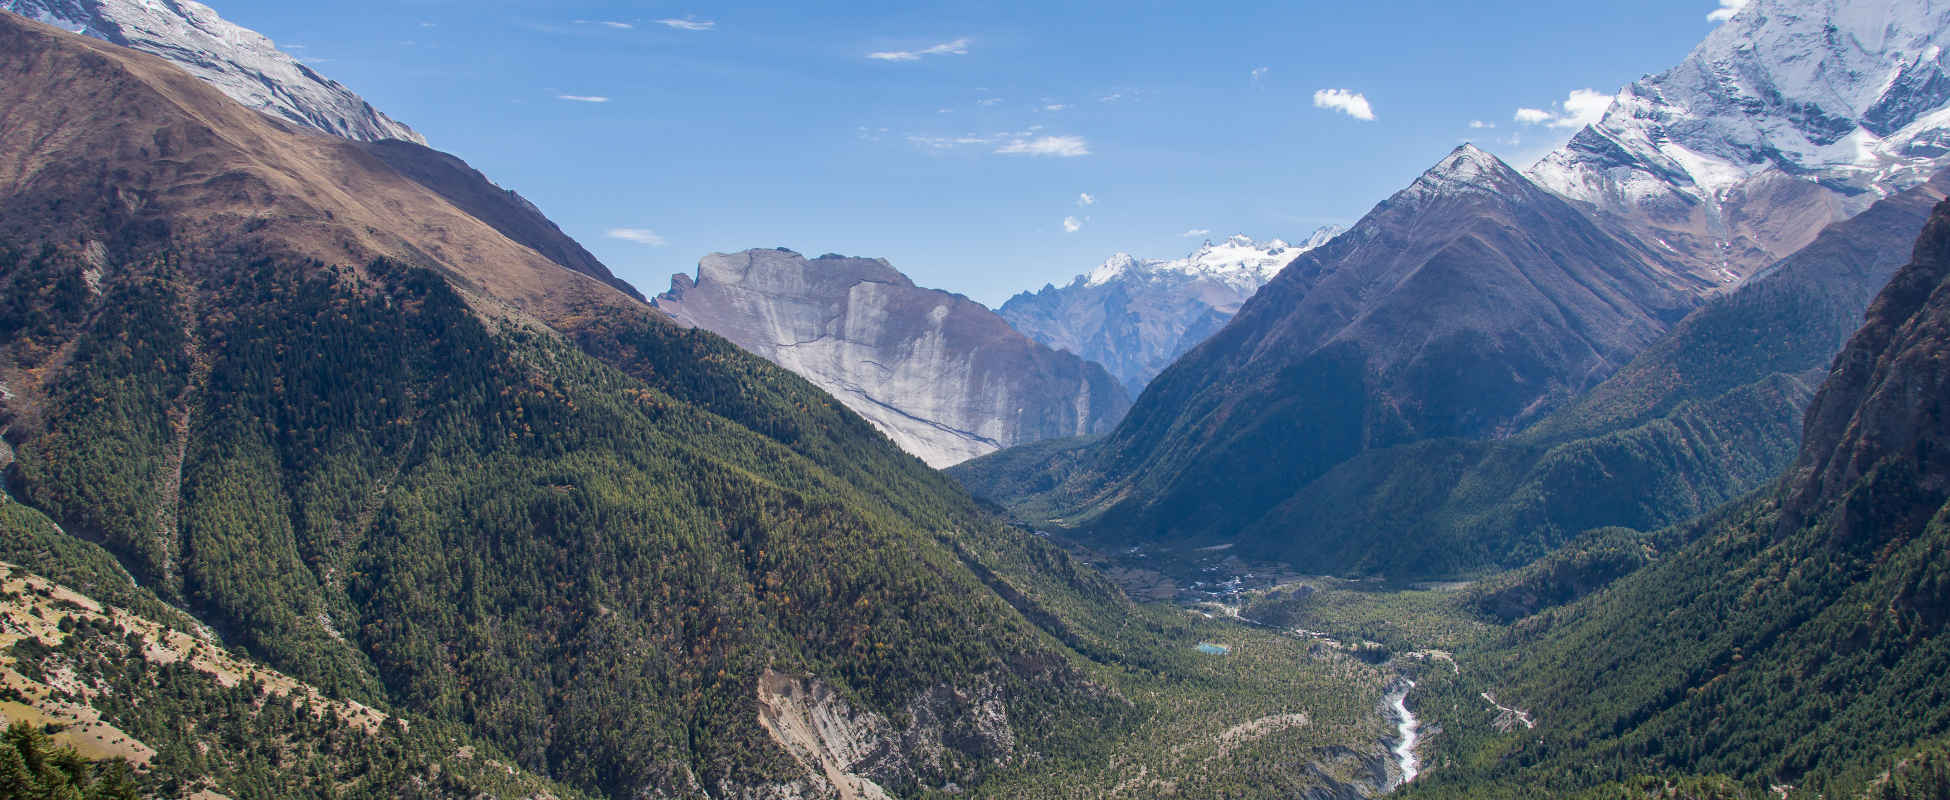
(1799,640)
(375,444)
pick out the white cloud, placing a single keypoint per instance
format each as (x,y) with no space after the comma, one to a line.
(1727,9)
(958,47)
(688,24)
(582,98)
(1111,98)
(1196,233)
(1346,102)
(1260,72)
(621,26)
(1583,107)
(1020,143)
(1478,124)
(1055,107)
(1057,146)
(1086,199)
(1072,224)
(643,236)
(989,101)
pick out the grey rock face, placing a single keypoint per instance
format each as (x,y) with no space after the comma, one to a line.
(944,377)
(240,62)
(1136,316)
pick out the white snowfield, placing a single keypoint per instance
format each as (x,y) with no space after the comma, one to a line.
(240,62)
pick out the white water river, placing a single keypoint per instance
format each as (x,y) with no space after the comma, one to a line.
(1410,733)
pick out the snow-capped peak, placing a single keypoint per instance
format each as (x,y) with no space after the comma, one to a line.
(1237,261)
(1852,92)
(240,62)
(1466,168)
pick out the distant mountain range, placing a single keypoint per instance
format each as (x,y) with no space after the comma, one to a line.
(1469,304)
(1478,302)
(1135,316)
(941,374)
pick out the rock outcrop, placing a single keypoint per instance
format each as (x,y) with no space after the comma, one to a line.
(944,377)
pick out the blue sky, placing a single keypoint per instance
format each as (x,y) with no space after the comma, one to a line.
(959,139)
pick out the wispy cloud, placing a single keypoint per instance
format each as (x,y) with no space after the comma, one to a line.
(1260,72)
(643,236)
(1022,143)
(989,101)
(689,24)
(582,98)
(1350,103)
(1196,233)
(1111,98)
(1727,9)
(621,26)
(1053,146)
(1583,107)
(958,47)
(1086,199)
(1477,124)
(1072,224)
(1055,107)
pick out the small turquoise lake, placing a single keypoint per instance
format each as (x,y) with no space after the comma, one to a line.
(1211,649)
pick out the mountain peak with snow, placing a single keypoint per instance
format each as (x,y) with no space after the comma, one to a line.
(1826,104)
(1238,261)
(1467,168)
(242,63)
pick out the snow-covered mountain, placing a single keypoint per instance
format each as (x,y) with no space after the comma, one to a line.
(240,62)
(1135,315)
(1792,115)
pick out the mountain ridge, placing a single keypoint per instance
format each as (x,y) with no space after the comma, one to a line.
(944,376)
(243,63)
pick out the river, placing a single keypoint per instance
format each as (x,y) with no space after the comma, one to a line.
(1409,730)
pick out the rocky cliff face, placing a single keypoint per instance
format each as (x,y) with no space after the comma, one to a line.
(1136,316)
(240,62)
(1877,441)
(1793,115)
(944,377)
